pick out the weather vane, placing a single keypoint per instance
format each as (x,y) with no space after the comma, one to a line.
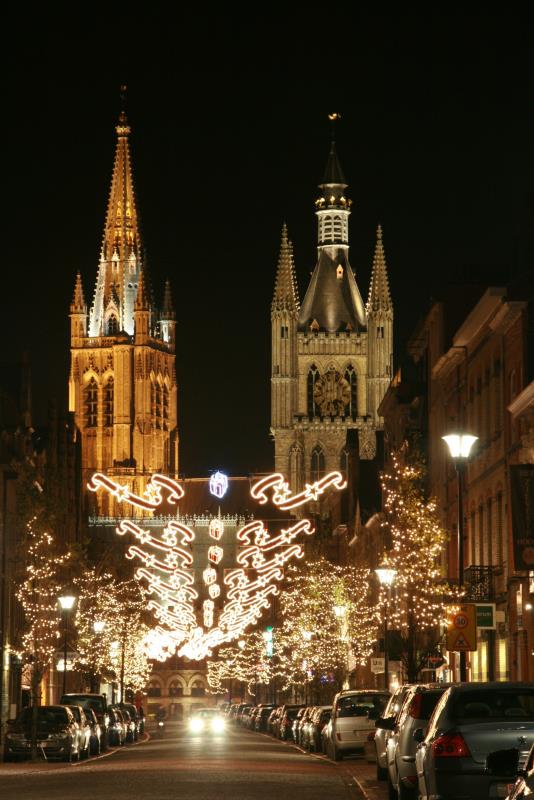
(333,119)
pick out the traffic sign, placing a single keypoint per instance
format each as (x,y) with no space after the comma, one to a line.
(377,665)
(462,629)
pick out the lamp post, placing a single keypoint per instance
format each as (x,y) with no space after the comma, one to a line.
(66,602)
(341,614)
(460,445)
(98,627)
(386,576)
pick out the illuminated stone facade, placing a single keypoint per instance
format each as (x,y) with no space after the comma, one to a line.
(331,358)
(122,384)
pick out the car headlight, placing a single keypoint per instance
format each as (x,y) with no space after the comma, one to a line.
(196,725)
(217,725)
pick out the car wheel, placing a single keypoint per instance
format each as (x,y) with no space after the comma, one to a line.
(68,755)
(381,772)
(8,756)
(392,792)
(337,755)
(405,793)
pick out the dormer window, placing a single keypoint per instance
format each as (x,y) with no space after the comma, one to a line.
(339,272)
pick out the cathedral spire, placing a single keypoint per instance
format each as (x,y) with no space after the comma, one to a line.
(142,302)
(121,253)
(168,308)
(286,297)
(78,299)
(379,294)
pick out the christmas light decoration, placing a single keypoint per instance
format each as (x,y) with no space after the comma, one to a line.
(417,541)
(167,562)
(218,484)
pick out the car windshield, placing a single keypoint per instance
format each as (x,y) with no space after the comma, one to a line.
(95,703)
(46,715)
(358,705)
(494,704)
(76,713)
(207,712)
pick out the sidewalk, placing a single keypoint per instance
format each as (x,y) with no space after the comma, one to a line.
(27,767)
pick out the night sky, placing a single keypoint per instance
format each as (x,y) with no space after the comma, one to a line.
(229,139)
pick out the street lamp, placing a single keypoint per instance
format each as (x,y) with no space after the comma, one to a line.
(386,576)
(66,602)
(99,625)
(460,445)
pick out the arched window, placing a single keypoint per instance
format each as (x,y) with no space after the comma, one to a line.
(154,689)
(337,228)
(113,325)
(317,463)
(165,408)
(351,378)
(108,403)
(176,689)
(156,401)
(198,689)
(313,377)
(295,468)
(344,462)
(91,404)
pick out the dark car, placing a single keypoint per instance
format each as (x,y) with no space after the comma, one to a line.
(96,733)
(260,721)
(96,702)
(57,734)
(471,721)
(117,727)
(84,731)
(135,718)
(288,716)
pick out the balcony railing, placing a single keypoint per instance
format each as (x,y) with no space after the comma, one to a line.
(478,582)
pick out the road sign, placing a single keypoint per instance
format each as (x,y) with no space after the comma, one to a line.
(462,629)
(486,615)
(377,665)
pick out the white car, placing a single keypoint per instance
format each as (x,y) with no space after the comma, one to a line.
(354,712)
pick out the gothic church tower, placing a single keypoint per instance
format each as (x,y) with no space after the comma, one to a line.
(122,384)
(332,357)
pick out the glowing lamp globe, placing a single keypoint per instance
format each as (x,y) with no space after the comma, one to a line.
(66,602)
(99,625)
(460,444)
(386,576)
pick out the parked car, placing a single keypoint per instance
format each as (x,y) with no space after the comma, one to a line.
(381,734)
(354,712)
(260,721)
(287,717)
(318,720)
(305,728)
(96,734)
(296,724)
(415,713)
(520,776)
(469,722)
(302,721)
(135,718)
(242,717)
(129,725)
(99,705)
(273,723)
(117,728)
(57,734)
(84,731)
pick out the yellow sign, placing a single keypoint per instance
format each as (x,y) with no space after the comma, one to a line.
(462,629)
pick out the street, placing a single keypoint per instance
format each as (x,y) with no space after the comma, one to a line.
(239,765)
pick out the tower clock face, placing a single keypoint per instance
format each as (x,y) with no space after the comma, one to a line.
(332,393)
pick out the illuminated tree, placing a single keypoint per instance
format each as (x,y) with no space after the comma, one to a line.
(245,662)
(96,622)
(328,625)
(128,636)
(415,547)
(38,588)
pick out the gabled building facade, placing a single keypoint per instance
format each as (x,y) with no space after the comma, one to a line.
(122,384)
(331,357)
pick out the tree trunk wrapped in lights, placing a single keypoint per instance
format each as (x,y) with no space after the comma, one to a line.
(416,542)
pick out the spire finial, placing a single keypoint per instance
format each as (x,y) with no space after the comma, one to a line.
(333,119)
(123,129)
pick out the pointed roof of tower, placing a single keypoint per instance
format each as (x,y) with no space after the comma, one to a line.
(333,173)
(333,301)
(142,301)
(78,299)
(168,307)
(286,295)
(379,294)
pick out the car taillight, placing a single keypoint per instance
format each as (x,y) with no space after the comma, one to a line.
(416,707)
(450,745)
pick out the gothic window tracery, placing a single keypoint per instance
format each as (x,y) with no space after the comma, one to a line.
(113,326)
(352,380)
(313,377)
(91,404)
(344,462)
(317,463)
(108,403)
(295,468)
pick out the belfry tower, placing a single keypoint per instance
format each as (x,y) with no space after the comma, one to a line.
(332,356)
(122,384)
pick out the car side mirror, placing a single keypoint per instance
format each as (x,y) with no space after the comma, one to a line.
(418,734)
(503,762)
(386,723)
